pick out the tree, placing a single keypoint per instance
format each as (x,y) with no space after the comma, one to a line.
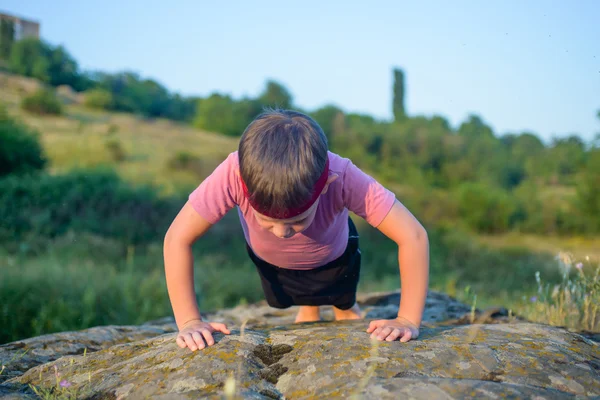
(398,101)
(524,150)
(332,120)
(566,156)
(20,148)
(29,57)
(7,38)
(43,101)
(221,113)
(62,68)
(38,59)
(588,191)
(275,95)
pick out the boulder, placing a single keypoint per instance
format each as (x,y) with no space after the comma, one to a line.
(266,356)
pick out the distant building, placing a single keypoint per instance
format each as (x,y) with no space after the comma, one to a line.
(23,27)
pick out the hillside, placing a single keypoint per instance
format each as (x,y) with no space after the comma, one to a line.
(88,138)
(83,137)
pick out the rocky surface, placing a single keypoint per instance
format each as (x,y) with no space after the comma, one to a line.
(267,356)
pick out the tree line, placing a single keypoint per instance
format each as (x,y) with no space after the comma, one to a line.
(469,173)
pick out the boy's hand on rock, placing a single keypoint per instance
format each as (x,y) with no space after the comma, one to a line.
(392,329)
(197,334)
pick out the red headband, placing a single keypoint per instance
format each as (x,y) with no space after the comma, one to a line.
(293,212)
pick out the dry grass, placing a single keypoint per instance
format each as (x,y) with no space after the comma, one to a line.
(574,303)
(580,247)
(77,140)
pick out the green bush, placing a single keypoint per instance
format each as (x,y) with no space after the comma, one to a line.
(20,149)
(588,192)
(43,101)
(485,208)
(36,208)
(98,98)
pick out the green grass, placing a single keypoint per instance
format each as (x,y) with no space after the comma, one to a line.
(85,281)
(92,281)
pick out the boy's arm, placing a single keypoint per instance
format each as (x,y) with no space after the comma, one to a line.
(183,232)
(413,256)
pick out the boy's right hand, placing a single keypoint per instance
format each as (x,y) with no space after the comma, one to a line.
(197,334)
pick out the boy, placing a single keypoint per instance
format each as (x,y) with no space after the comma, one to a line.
(293,197)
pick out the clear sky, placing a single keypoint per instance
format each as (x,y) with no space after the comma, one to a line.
(521,65)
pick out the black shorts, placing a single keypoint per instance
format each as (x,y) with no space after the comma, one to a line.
(333,284)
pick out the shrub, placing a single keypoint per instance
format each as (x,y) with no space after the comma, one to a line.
(485,208)
(36,208)
(43,101)
(20,149)
(98,98)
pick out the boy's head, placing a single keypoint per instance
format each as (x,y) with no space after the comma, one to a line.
(283,163)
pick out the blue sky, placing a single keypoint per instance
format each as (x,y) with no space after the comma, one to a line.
(520,65)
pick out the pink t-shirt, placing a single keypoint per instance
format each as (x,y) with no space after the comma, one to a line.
(324,240)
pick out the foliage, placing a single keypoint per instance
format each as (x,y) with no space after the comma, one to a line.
(275,95)
(82,280)
(7,38)
(20,148)
(128,92)
(485,209)
(588,191)
(398,101)
(333,122)
(52,65)
(34,209)
(98,98)
(539,187)
(44,101)
(220,113)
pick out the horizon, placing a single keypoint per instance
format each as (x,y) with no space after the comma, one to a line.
(520,67)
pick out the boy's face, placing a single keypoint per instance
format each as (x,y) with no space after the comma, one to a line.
(286,228)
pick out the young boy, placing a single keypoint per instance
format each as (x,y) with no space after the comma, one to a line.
(293,197)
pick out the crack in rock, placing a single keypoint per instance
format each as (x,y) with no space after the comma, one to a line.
(270,355)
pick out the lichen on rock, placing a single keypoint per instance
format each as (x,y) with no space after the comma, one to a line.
(273,358)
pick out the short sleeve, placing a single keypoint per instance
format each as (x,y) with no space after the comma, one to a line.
(364,196)
(219,192)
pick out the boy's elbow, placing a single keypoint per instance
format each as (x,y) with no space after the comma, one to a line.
(419,235)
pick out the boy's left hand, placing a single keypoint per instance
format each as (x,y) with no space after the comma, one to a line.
(392,329)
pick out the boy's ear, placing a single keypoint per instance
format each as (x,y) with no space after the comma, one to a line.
(330,180)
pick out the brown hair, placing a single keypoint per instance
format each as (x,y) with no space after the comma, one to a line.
(282,154)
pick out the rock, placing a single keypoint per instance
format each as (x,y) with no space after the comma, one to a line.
(261,359)
(20,356)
